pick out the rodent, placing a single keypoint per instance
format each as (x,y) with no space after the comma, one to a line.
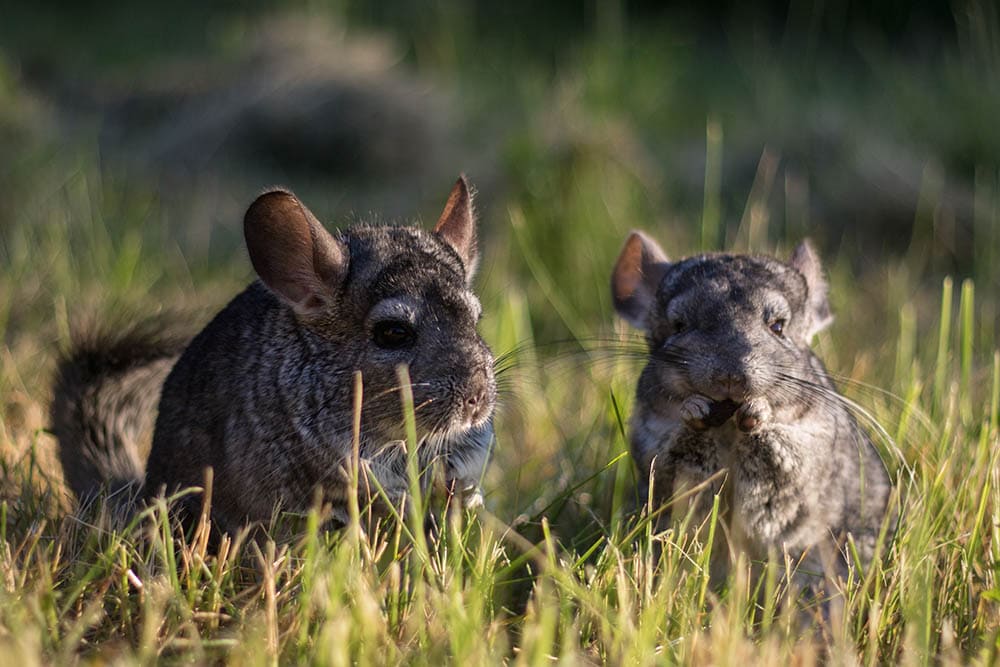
(731,383)
(264,393)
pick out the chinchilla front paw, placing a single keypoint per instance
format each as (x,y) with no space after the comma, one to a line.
(695,410)
(467,493)
(753,414)
(472,498)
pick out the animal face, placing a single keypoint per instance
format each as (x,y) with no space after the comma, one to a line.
(723,326)
(407,302)
(377,298)
(718,324)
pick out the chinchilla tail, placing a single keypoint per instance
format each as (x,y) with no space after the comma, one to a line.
(105,393)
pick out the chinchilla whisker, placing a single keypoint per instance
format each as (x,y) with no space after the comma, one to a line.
(588,346)
(854,407)
(520,349)
(860,384)
(505,363)
(508,404)
(590,342)
(510,379)
(509,394)
(581,357)
(420,406)
(874,391)
(506,369)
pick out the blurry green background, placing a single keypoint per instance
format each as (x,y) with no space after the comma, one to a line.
(133,135)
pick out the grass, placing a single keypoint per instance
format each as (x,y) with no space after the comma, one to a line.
(557,567)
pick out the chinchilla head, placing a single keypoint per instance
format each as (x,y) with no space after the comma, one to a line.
(373,298)
(728,327)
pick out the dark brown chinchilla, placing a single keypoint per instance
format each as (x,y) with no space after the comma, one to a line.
(264,394)
(731,384)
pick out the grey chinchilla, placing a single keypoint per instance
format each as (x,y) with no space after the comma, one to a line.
(264,394)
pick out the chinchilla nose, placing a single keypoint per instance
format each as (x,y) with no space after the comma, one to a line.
(733,384)
(479,396)
(474,402)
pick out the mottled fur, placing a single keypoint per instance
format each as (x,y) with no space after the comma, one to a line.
(802,474)
(264,394)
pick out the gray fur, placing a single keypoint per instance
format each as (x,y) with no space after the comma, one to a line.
(104,404)
(264,393)
(802,473)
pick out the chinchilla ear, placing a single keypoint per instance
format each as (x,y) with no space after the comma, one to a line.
(292,253)
(636,277)
(806,261)
(457,226)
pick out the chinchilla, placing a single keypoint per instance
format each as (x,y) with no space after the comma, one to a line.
(731,385)
(264,394)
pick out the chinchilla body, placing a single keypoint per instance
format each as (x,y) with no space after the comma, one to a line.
(265,394)
(733,399)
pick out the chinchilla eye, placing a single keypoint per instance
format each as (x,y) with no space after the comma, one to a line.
(777,327)
(679,325)
(393,334)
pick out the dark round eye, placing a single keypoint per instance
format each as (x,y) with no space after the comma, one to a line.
(679,325)
(393,334)
(777,327)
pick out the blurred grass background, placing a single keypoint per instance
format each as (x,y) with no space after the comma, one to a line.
(132,136)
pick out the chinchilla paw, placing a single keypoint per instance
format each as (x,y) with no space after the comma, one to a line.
(694,410)
(473,498)
(753,414)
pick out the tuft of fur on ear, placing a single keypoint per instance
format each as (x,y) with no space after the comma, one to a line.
(636,277)
(292,253)
(457,226)
(806,261)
